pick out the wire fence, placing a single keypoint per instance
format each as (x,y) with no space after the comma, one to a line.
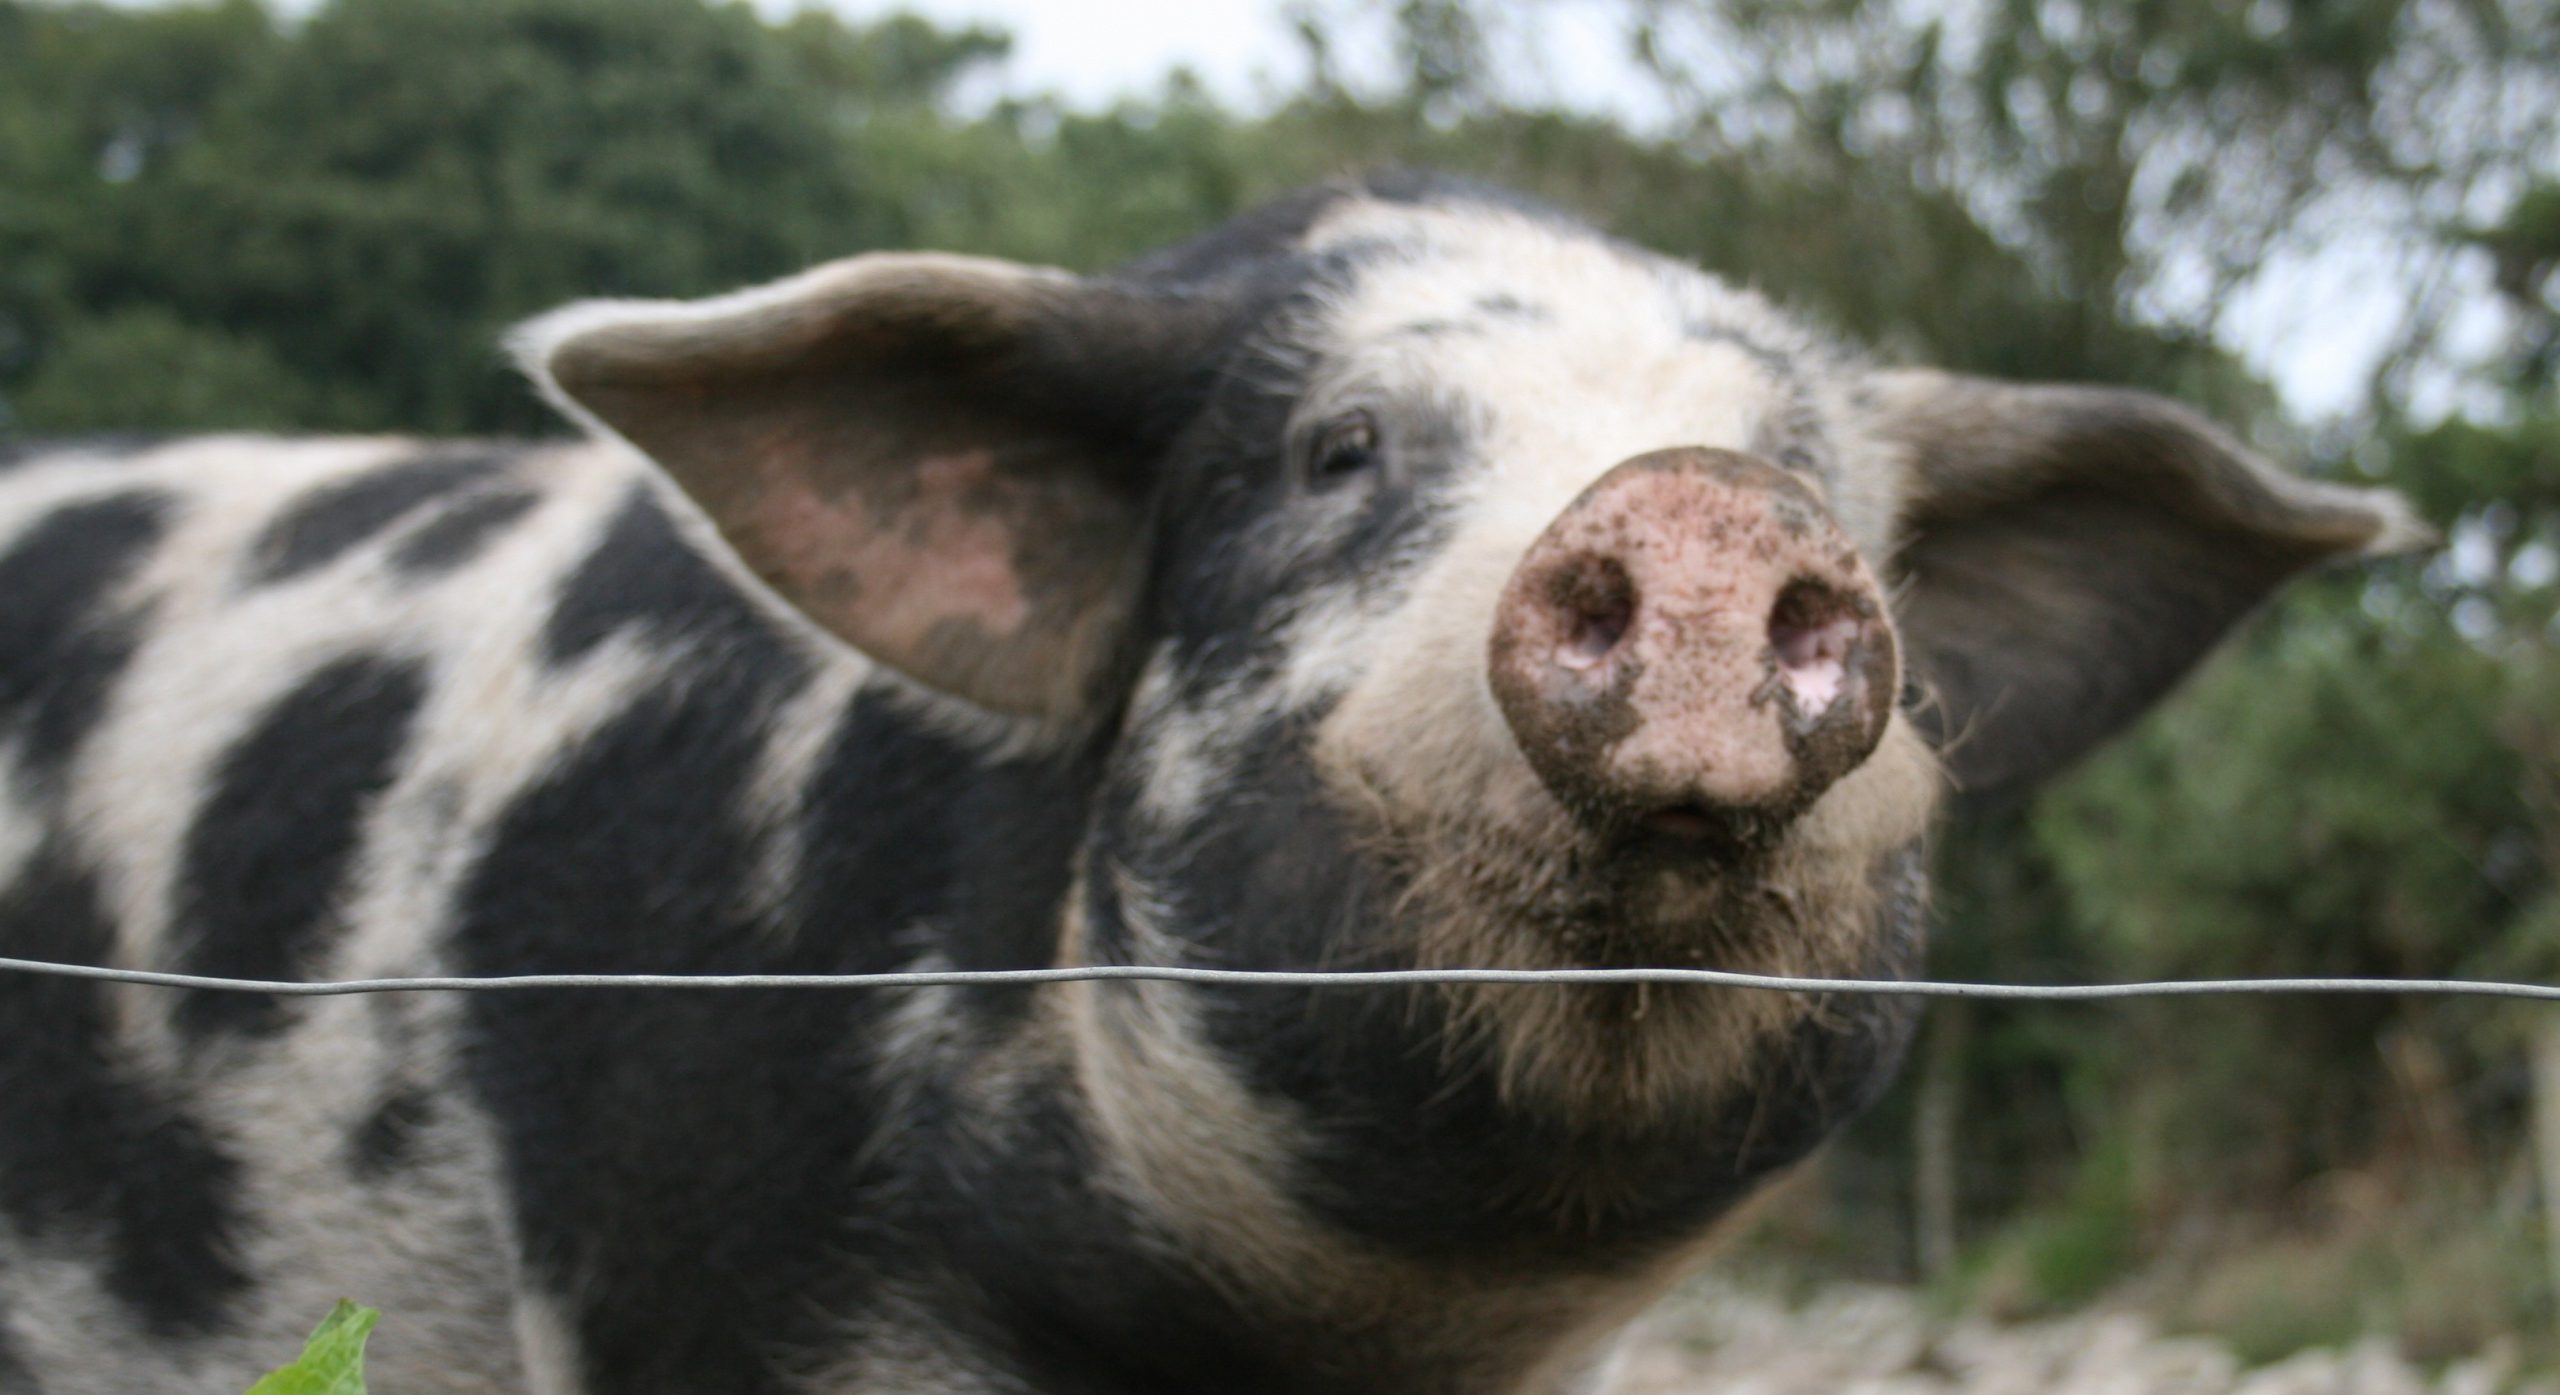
(1293,978)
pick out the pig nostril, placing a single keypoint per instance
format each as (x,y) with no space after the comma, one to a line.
(1597,602)
(1811,631)
(1594,635)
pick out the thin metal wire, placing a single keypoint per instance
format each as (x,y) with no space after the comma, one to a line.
(1271,978)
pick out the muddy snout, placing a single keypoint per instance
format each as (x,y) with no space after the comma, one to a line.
(1693,647)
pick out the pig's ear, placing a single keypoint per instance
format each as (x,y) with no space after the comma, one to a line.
(2067,553)
(947,461)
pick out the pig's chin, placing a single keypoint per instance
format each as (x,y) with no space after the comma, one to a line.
(1498,871)
(1482,892)
(1636,897)
(1659,881)
(1507,877)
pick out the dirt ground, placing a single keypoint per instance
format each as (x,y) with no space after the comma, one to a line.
(1875,1341)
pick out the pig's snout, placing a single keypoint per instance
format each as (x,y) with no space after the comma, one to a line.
(1693,646)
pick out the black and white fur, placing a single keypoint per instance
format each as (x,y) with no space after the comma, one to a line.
(381,707)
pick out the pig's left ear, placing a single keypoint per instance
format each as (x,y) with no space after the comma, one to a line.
(2067,553)
(947,461)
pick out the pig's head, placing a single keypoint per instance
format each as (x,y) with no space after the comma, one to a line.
(1434,581)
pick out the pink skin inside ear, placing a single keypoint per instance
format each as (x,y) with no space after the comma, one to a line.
(886,581)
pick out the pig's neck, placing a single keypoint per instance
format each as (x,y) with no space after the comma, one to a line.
(1347,1160)
(1400,1118)
(1291,1189)
(1140,1218)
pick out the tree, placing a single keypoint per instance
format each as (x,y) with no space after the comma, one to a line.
(375,196)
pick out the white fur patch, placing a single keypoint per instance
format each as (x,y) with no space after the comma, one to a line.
(1182,749)
(777,797)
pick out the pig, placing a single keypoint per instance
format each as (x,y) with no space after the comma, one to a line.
(1404,575)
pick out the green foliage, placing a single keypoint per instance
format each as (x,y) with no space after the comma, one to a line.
(2064,1256)
(2401,833)
(373,197)
(145,369)
(332,1362)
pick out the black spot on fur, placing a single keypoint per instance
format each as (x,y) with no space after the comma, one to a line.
(388,1137)
(334,519)
(267,857)
(460,532)
(1066,1290)
(754,1112)
(1238,244)
(643,575)
(984,848)
(1233,560)
(88,1144)
(59,652)
(704,1178)
(679,1162)
(1793,435)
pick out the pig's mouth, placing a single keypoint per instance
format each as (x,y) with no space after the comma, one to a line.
(1689,822)
(1684,883)
(1697,830)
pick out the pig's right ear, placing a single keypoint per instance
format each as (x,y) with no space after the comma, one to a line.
(2067,553)
(947,461)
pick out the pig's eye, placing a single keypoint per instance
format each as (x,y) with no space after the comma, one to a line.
(1344,451)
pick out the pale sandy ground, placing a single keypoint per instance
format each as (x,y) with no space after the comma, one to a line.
(1875,1341)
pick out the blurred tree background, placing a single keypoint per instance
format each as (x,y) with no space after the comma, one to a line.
(215,217)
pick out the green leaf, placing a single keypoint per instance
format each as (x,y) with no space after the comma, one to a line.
(332,1361)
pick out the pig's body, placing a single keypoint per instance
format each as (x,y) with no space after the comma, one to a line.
(1396,578)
